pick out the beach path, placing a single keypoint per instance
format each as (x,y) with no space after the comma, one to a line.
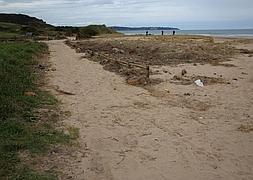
(129,133)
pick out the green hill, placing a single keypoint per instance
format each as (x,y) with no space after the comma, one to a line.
(17,25)
(22,19)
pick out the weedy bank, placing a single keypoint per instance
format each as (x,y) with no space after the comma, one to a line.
(24,130)
(152,51)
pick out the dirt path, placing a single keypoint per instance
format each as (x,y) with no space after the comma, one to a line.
(129,133)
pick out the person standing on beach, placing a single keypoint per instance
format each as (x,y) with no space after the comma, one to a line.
(146,33)
(174,32)
(162,33)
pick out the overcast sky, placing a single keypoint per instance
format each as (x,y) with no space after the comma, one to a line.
(184,14)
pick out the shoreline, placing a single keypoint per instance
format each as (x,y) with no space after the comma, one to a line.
(233,33)
(205,35)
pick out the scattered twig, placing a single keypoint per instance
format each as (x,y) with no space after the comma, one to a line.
(63,92)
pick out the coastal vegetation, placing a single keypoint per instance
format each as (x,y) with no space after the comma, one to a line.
(29,114)
(17,26)
(24,129)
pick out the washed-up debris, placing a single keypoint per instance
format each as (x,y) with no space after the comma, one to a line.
(159,50)
(188,80)
(246,51)
(133,82)
(116,50)
(90,52)
(246,128)
(57,88)
(31,94)
(184,72)
(64,92)
(199,83)
(146,134)
(183,80)
(167,90)
(78,50)
(42,67)
(176,77)
(153,51)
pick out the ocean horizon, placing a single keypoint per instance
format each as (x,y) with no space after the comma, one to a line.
(217,32)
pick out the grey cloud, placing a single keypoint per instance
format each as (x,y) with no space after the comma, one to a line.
(138,12)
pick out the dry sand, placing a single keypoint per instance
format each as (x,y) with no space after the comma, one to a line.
(169,132)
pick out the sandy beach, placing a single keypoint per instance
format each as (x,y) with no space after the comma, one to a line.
(167,128)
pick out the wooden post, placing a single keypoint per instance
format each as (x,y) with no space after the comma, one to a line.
(148,71)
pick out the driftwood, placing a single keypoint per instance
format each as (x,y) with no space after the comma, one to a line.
(57,88)
(124,63)
(129,64)
(64,92)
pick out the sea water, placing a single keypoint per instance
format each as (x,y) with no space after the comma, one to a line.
(223,33)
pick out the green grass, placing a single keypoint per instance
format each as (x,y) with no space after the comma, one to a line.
(9,30)
(8,35)
(99,29)
(10,27)
(94,30)
(13,31)
(20,129)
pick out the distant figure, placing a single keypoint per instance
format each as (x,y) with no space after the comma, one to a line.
(174,32)
(162,33)
(146,33)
